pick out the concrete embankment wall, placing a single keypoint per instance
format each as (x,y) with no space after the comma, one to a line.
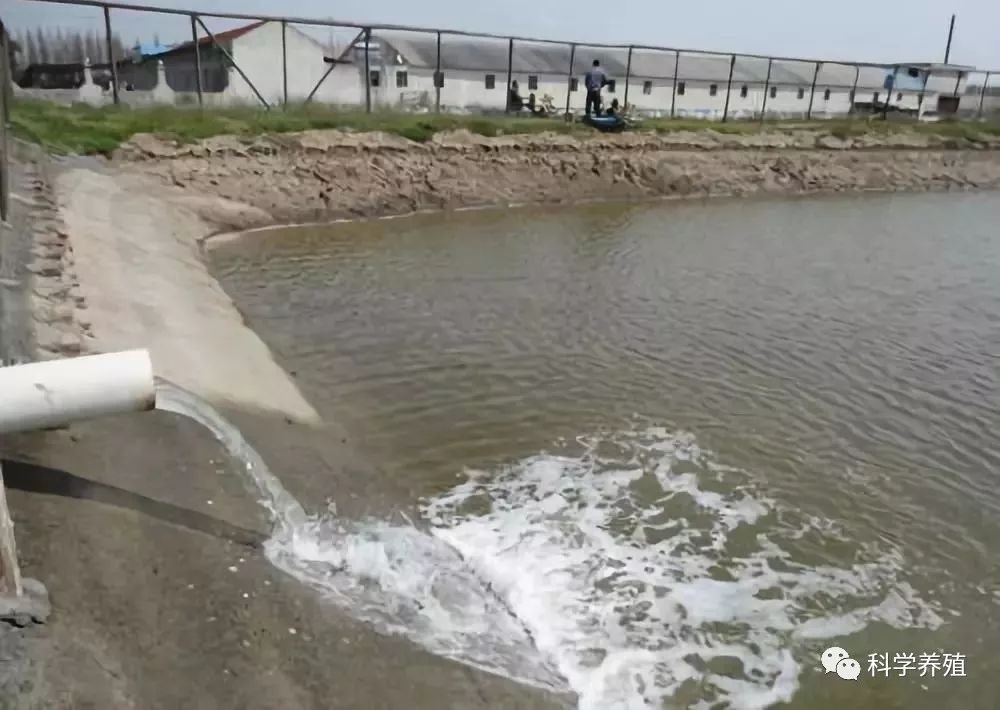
(320,175)
(99,261)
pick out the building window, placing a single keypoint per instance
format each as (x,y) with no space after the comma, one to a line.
(647,87)
(744,91)
(574,84)
(826,95)
(680,88)
(402,80)
(375,78)
(899,96)
(875,97)
(802,93)
(491,81)
(533,83)
(713,89)
(774,92)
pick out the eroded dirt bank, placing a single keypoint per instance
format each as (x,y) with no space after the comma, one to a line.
(319,175)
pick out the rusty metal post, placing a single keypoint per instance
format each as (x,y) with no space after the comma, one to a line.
(569,80)
(352,47)
(767,86)
(923,90)
(284,63)
(197,59)
(232,61)
(982,95)
(368,73)
(628,75)
(812,91)
(729,87)
(438,78)
(6,92)
(510,70)
(111,53)
(673,92)
(854,89)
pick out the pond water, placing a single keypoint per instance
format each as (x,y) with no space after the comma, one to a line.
(688,445)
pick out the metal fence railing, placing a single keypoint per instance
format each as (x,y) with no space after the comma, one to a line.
(6,96)
(224,58)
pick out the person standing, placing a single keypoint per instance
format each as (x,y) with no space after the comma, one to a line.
(594,81)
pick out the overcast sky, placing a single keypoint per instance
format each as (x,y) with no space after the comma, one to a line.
(873,30)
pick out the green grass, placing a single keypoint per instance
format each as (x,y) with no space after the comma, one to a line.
(86,129)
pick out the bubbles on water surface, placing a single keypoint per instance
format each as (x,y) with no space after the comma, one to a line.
(631,567)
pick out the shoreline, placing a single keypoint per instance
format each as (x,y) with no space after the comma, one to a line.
(217,239)
(322,177)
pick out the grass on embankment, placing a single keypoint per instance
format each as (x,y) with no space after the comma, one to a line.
(86,129)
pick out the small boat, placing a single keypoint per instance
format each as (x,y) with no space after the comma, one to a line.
(607,124)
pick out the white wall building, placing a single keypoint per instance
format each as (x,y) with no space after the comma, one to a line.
(474,78)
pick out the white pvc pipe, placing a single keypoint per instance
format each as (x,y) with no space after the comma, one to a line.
(58,392)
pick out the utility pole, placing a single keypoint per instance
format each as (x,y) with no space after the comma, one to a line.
(951,31)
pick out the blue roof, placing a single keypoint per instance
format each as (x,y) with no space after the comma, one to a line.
(151,50)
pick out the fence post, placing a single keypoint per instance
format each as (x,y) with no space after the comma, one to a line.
(284,64)
(729,87)
(923,90)
(888,94)
(673,92)
(438,78)
(767,86)
(368,73)
(812,91)
(628,75)
(229,58)
(197,58)
(854,89)
(111,53)
(569,80)
(982,95)
(510,69)
(5,94)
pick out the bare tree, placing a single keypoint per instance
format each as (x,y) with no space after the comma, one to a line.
(43,55)
(117,48)
(79,49)
(30,51)
(58,44)
(94,46)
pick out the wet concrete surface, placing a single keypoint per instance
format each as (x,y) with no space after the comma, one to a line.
(135,524)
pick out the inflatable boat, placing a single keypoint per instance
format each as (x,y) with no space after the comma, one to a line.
(607,124)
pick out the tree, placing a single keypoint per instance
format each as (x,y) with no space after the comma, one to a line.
(43,56)
(30,51)
(94,46)
(117,48)
(59,47)
(79,49)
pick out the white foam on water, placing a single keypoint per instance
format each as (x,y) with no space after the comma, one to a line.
(622,571)
(630,569)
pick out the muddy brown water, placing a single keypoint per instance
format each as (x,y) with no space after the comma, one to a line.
(803,394)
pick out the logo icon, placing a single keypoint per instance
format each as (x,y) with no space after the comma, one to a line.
(849,669)
(837,660)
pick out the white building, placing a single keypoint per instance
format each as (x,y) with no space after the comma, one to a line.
(474,78)
(257,50)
